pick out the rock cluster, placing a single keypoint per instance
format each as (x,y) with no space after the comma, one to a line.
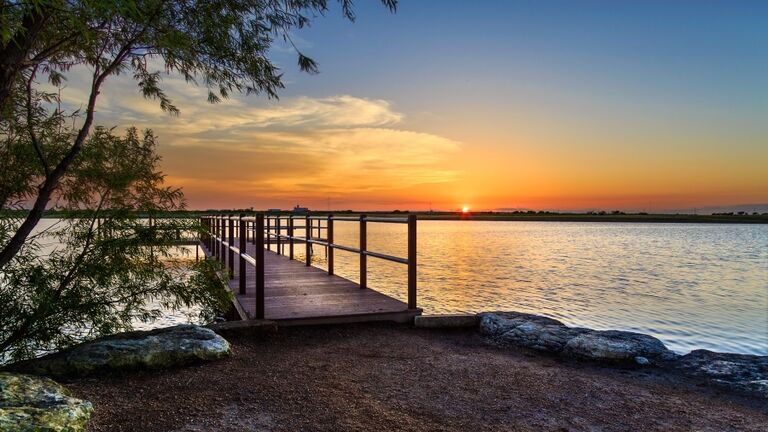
(154,349)
(550,335)
(740,372)
(29,403)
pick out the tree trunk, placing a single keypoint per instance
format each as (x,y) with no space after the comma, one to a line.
(14,53)
(51,182)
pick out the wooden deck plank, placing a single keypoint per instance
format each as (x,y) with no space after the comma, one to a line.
(296,292)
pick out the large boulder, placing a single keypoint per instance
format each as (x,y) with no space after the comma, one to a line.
(527,330)
(742,372)
(30,403)
(550,335)
(154,349)
(616,345)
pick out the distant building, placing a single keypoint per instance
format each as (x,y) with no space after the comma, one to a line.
(300,210)
(274,211)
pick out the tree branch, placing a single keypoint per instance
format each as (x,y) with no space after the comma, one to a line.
(52,180)
(30,124)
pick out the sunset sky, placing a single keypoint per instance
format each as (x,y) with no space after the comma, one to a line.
(566,105)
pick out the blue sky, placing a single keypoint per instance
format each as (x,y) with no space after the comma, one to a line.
(694,55)
(644,105)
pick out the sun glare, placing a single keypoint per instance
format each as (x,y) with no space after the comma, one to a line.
(465,209)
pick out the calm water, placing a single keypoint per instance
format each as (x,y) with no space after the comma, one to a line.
(691,285)
(168,318)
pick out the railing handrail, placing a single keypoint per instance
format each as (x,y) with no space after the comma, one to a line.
(274,231)
(219,237)
(381,219)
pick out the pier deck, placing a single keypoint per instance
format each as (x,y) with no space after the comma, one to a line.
(296,294)
(273,286)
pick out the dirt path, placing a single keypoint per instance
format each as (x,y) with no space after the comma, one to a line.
(387,377)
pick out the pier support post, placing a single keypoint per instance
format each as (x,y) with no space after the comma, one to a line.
(411,261)
(222,239)
(278,240)
(231,243)
(363,256)
(307,238)
(242,233)
(269,234)
(259,300)
(329,234)
(208,234)
(203,231)
(215,239)
(290,237)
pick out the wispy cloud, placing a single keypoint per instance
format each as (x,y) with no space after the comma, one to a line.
(340,145)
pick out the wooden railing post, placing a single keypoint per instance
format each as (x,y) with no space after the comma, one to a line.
(329,240)
(412,261)
(307,238)
(259,266)
(231,241)
(278,241)
(208,233)
(241,269)
(215,239)
(363,257)
(218,238)
(222,238)
(269,236)
(290,237)
(203,231)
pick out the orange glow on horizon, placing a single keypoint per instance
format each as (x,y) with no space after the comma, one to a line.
(570,139)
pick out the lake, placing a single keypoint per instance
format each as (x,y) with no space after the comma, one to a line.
(691,285)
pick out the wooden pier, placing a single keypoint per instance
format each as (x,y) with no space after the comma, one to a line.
(273,285)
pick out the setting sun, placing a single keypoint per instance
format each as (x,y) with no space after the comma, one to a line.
(465,209)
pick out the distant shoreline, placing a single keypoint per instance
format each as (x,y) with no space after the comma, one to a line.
(635,218)
(490,216)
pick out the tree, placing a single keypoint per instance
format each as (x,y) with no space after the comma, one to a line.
(107,264)
(112,263)
(221,44)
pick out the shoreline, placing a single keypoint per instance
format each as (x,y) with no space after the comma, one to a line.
(399,377)
(691,219)
(489,371)
(491,216)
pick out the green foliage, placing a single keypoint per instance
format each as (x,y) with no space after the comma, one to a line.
(221,44)
(102,268)
(110,269)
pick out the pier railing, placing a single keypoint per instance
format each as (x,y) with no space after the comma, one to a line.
(221,232)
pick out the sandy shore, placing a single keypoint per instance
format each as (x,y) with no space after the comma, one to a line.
(389,377)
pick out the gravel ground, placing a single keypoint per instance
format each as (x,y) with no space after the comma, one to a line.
(391,377)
